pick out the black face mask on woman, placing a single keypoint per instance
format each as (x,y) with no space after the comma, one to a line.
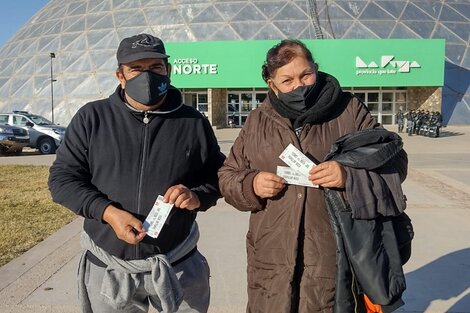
(299,99)
(147,88)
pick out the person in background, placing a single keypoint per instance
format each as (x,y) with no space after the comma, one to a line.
(291,248)
(400,119)
(119,154)
(418,121)
(410,122)
(435,123)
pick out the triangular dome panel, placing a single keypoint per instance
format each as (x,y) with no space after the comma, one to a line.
(249,13)
(84,35)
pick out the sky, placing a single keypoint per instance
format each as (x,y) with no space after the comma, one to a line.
(14,14)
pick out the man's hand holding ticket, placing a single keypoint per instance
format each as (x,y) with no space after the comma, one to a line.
(154,222)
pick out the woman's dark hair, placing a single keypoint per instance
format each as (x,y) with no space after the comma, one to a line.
(283,53)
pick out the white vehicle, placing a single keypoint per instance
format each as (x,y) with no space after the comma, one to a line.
(12,140)
(43,135)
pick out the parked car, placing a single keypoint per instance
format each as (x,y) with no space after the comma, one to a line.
(43,135)
(13,139)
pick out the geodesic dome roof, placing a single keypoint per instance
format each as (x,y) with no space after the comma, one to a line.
(84,35)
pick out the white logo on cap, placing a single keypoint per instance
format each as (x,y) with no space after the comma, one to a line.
(144,43)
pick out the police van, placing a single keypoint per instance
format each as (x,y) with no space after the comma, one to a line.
(43,135)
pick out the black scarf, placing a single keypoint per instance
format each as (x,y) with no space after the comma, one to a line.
(327,103)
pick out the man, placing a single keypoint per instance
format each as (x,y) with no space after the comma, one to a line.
(410,121)
(435,123)
(418,121)
(400,117)
(119,154)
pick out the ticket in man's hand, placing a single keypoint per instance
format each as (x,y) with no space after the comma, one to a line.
(293,177)
(297,160)
(154,222)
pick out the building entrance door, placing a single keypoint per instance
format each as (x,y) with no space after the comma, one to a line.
(383,103)
(197,100)
(240,103)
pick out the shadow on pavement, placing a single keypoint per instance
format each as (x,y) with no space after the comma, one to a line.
(445,278)
(445,133)
(442,134)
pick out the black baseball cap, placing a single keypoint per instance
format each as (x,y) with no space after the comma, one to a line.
(142,46)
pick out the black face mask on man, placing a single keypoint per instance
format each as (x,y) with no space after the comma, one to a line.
(147,88)
(299,99)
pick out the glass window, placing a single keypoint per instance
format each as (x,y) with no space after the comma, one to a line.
(246,101)
(260,98)
(3,119)
(37,119)
(202,104)
(373,97)
(387,97)
(373,107)
(202,107)
(233,104)
(391,99)
(202,98)
(234,120)
(361,96)
(240,102)
(193,102)
(387,119)
(387,107)
(19,120)
(244,117)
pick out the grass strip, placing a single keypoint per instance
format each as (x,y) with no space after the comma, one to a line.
(27,213)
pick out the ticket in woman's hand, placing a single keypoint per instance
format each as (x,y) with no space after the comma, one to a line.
(292,177)
(297,160)
(154,222)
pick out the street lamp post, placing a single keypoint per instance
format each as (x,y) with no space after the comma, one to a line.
(52,54)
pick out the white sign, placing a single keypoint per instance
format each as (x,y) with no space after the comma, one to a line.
(188,66)
(394,66)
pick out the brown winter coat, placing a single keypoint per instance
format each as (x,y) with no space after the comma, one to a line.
(276,224)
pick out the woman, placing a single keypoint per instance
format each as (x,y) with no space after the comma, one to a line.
(290,243)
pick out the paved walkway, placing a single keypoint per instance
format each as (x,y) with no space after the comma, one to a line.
(438,274)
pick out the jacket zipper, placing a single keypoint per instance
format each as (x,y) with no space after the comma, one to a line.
(141,174)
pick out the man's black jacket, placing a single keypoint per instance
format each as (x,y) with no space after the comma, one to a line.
(370,251)
(110,155)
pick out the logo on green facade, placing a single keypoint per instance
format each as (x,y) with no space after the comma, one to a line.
(388,66)
(188,66)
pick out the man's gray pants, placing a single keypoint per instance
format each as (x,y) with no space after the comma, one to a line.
(193,274)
